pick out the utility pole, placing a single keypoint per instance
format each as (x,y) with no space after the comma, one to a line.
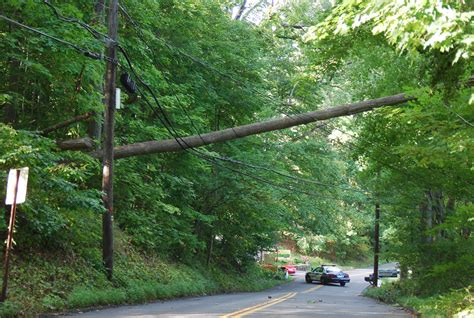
(376,243)
(94,129)
(108,159)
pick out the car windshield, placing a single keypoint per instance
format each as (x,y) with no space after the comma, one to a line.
(333,269)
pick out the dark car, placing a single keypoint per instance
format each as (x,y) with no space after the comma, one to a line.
(326,274)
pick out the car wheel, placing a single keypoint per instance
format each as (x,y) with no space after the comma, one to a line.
(308,279)
(343,284)
(323,281)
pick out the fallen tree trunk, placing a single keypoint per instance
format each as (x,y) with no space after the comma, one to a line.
(81,144)
(173,145)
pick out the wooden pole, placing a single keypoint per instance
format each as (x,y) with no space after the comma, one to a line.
(171,145)
(108,158)
(11,226)
(376,243)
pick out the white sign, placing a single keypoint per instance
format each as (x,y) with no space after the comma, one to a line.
(117,98)
(22,182)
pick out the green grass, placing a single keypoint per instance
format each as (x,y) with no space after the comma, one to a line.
(455,303)
(58,282)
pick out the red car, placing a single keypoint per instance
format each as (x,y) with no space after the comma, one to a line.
(291,269)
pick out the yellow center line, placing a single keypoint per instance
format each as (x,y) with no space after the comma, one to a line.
(249,310)
(312,289)
(265,306)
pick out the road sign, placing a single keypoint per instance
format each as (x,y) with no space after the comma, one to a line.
(21,187)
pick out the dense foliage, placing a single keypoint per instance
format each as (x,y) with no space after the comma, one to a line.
(417,159)
(211,69)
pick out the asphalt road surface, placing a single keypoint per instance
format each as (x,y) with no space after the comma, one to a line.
(296,299)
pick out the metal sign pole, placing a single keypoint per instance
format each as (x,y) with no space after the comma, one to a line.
(11,226)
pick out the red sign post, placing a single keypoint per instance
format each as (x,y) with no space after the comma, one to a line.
(16,193)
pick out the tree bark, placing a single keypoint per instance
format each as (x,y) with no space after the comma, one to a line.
(403,271)
(173,145)
(428,209)
(241,10)
(66,123)
(210,246)
(76,144)
(376,243)
(251,9)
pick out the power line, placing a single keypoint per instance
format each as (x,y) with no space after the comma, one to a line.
(167,122)
(168,125)
(196,60)
(467,122)
(97,34)
(204,64)
(83,51)
(140,34)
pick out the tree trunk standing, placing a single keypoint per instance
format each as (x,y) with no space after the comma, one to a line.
(439,209)
(241,10)
(252,8)
(403,271)
(99,8)
(108,161)
(210,246)
(428,216)
(10,114)
(376,243)
(9,109)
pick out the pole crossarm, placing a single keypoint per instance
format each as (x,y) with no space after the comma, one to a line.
(173,145)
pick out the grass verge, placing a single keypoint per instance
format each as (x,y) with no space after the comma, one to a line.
(455,303)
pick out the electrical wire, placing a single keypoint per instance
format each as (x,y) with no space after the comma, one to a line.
(467,122)
(83,51)
(97,34)
(140,34)
(208,66)
(182,143)
(167,122)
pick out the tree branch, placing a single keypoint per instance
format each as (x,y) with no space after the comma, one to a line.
(294,26)
(66,123)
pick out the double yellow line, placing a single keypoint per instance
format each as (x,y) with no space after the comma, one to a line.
(312,289)
(250,310)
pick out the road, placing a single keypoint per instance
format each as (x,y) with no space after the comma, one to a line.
(296,299)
